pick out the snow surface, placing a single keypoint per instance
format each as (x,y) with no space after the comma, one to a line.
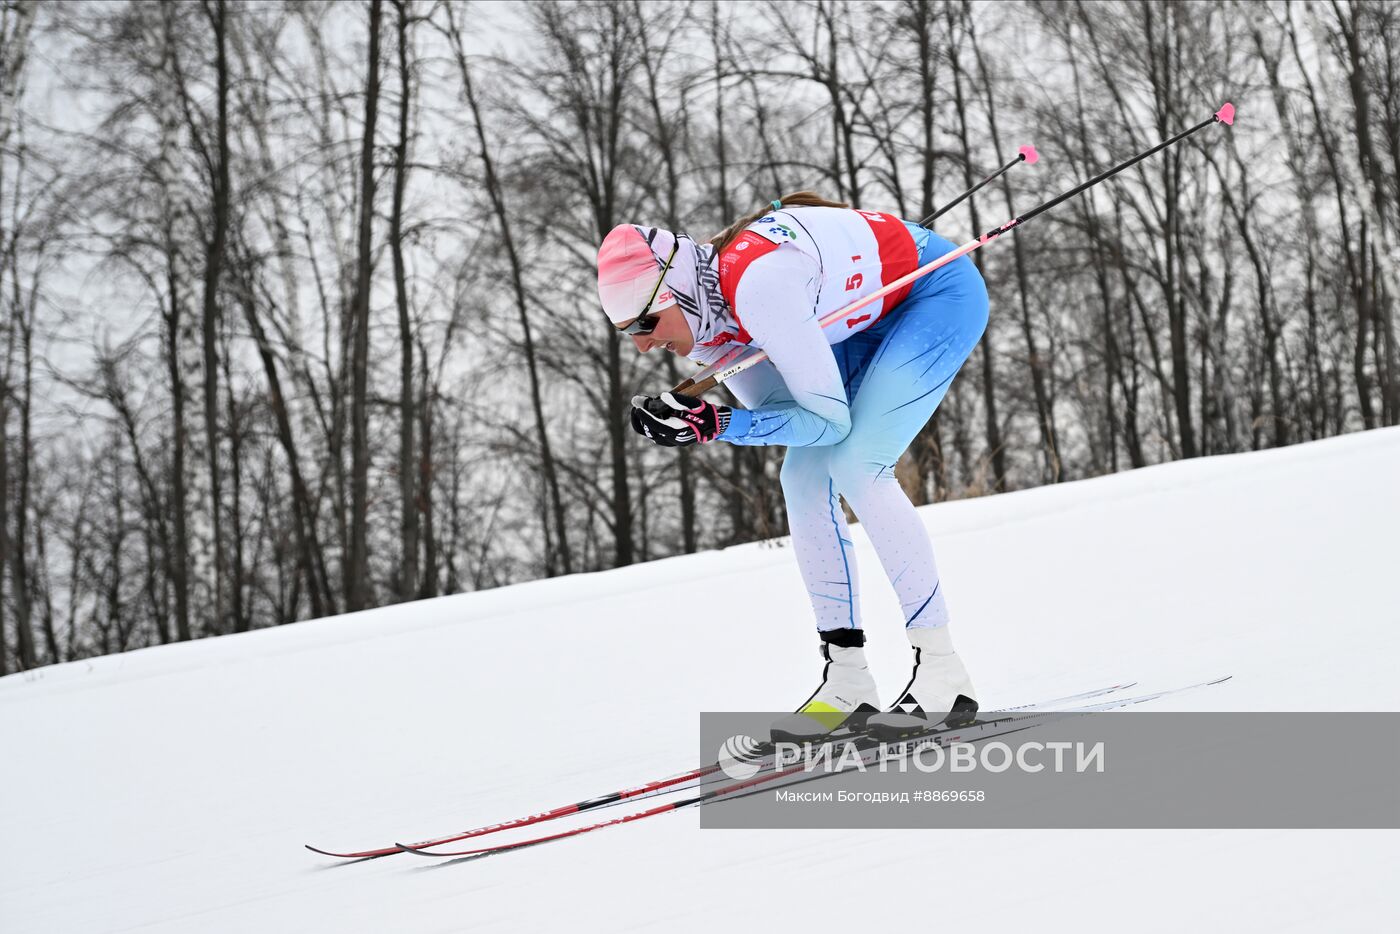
(171,789)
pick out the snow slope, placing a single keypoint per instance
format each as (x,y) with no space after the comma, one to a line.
(171,789)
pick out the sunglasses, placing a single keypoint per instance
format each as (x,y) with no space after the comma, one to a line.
(646,322)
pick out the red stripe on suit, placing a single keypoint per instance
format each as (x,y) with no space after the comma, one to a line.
(898,254)
(732,263)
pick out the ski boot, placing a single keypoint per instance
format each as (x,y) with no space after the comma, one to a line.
(846,696)
(939,692)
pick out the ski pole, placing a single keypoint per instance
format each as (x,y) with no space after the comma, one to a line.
(1026,154)
(740,359)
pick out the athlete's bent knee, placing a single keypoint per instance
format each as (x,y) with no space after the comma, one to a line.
(852,470)
(803,475)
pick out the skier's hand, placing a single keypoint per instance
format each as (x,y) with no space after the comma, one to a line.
(673,419)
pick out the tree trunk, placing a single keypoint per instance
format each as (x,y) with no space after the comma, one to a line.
(1263,282)
(1045,412)
(309,554)
(1304,192)
(666,144)
(1160,61)
(213,268)
(4,501)
(517,276)
(19,568)
(408,498)
(992,424)
(1355,258)
(14,46)
(238,609)
(177,555)
(429,583)
(843,140)
(115,536)
(44,587)
(1382,266)
(155,514)
(357,565)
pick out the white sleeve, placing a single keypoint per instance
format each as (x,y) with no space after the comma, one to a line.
(776,300)
(760,386)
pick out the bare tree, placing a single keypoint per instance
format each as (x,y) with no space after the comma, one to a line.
(16,22)
(356,564)
(557,538)
(408,509)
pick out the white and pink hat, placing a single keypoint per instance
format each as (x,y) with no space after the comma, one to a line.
(627,274)
(629,262)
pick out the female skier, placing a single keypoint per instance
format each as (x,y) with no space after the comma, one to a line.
(846,400)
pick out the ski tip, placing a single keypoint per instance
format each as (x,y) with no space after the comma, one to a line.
(368,854)
(1226,114)
(1220,680)
(1030,155)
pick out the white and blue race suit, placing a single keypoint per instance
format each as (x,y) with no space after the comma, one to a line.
(847,400)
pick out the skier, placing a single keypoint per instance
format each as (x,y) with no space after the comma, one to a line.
(846,400)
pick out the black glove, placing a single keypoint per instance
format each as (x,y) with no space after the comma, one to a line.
(672,419)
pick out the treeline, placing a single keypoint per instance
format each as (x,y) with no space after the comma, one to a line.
(298,313)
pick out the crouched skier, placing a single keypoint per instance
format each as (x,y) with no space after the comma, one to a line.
(846,401)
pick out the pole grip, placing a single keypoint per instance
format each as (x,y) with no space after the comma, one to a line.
(691,388)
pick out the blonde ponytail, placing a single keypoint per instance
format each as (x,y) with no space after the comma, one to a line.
(798,199)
